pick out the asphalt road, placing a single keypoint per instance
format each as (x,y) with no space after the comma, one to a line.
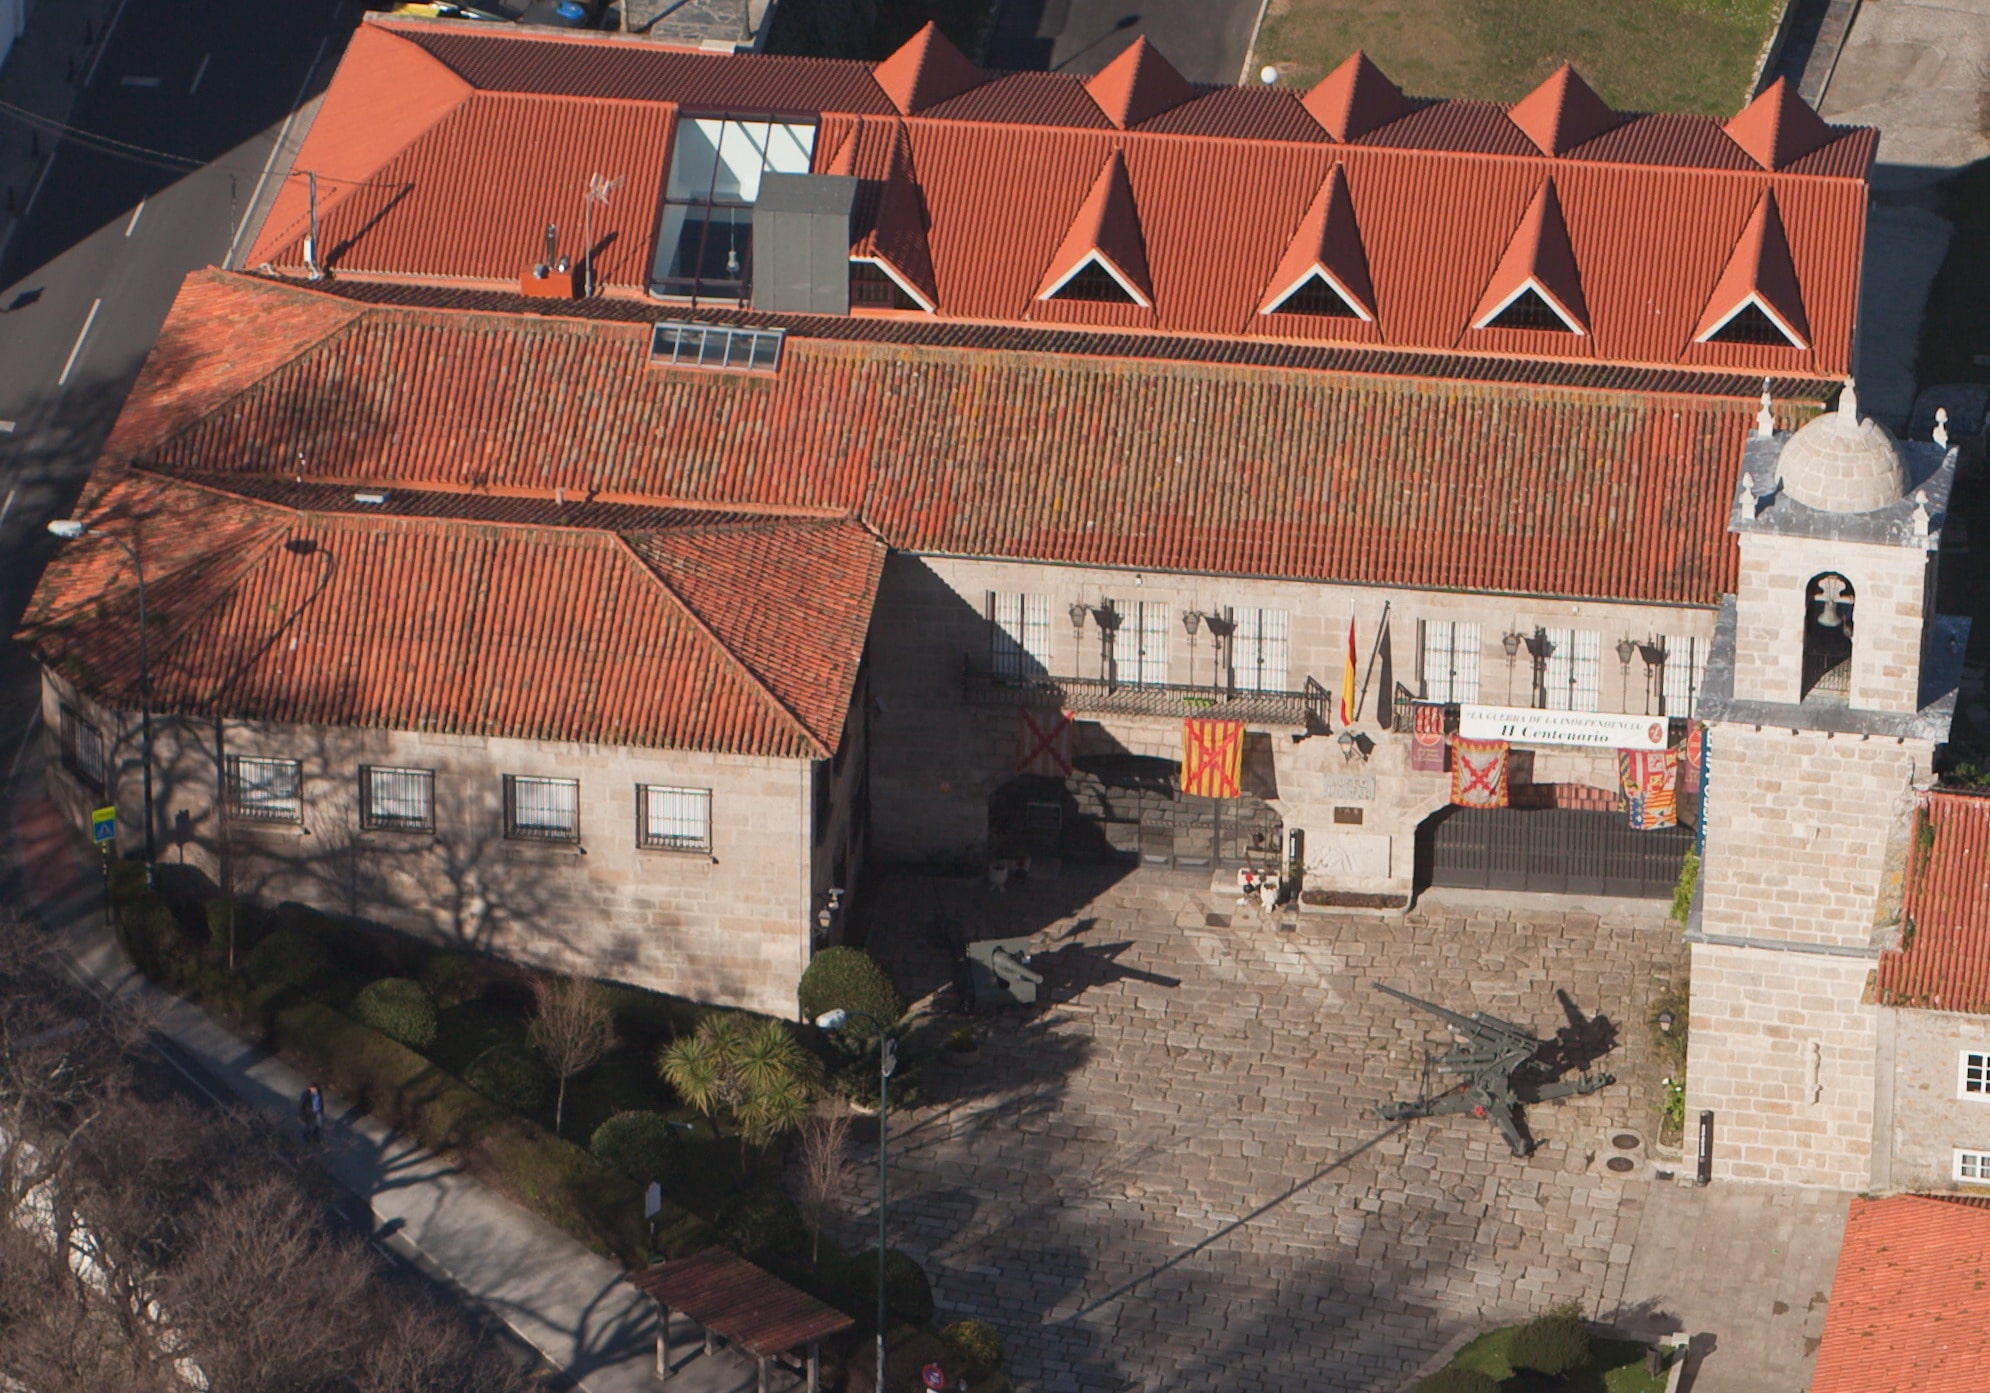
(1206,39)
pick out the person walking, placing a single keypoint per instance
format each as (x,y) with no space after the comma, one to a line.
(311,1112)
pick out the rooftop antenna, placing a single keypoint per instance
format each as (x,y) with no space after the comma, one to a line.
(598,188)
(311,266)
(552,245)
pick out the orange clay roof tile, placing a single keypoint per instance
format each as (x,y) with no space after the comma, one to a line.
(925,71)
(1326,243)
(1944,963)
(1777,129)
(1137,86)
(1540,258)
(1562,113)
(1910,1299)
(1106,229)
(1760,270)
(1356,98)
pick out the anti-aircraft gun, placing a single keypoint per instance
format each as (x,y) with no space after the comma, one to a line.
(1498,1066)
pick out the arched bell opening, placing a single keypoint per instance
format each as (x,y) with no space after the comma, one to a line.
(1827,639)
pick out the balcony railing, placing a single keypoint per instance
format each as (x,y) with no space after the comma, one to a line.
(1306,709)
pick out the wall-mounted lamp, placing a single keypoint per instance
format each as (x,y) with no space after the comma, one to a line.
(1626,650)
(1354,745)
(1078,611)
(826,916)
(1539,645)
(1665,1019)
(1511,643)
(1191,621)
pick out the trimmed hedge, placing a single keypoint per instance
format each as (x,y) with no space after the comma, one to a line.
(974,1345)
(290,957)
(512,1077)
(399,1008)
(849,979)
(907,1293)
(1550,1344)
(1456,1380)
(637,1144)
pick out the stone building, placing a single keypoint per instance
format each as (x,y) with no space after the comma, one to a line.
(1296,413)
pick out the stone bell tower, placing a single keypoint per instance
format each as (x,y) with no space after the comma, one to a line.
(1831,681)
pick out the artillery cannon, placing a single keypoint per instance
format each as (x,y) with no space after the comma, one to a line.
(1498,1066)
(997,972)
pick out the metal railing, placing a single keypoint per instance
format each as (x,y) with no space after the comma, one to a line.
(1308,708)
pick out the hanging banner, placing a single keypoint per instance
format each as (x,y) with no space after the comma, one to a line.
(1347,678)
(1478,773)
(1521,725)
(1212,758)
(1692,758)
(1650,780)
(1428,750)
(1044,743)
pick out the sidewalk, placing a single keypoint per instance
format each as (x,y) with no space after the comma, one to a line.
(43,73)
(562,1299)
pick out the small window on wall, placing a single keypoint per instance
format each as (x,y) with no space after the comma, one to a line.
(1140,643)
(673,819)
(265,790)
(541,810)
(1973,1166)
(1018,636)
(1258,646)
(1573,672)
(1685,670)
(1450,661)
(1975,1076)
(84,751)
(396,800)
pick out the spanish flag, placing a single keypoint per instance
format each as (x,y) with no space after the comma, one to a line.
(1347,678)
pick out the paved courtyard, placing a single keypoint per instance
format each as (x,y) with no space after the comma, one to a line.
(1172,1176)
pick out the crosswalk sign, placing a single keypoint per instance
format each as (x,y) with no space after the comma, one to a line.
(103,824)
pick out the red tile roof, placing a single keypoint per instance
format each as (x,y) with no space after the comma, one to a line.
(1326,245)
(1037,456)
(1539,259)
(1759,271)
(1106,230)
(1910,1305)
(1943,963)
(460,186)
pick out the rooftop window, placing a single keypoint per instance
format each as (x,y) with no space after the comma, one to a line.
(1751,325)
(1530,310)
(1094,282)
(1316,295)
(705,246)
(715,346)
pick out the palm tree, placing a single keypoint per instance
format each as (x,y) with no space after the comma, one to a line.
(758,1074)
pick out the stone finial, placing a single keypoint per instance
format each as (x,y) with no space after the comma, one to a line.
(1942,426)
(1920,519)
(1744,498)
(1848,405)
(1765,419)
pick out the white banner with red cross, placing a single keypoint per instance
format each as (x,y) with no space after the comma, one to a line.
(1043,743)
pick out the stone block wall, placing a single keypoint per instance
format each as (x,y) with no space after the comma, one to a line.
(1925,1115)
(1782,1052)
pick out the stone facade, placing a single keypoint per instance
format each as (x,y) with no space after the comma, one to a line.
(1925,1114)
(733,926)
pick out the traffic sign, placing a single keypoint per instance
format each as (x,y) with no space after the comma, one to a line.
(933,1376)
(103,824)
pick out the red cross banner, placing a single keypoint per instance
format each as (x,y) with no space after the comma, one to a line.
(1478,772)
(1427,747)
(1044,743)
(1212,758)
(1651,786)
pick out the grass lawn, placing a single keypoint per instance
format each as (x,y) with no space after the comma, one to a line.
(1640,55)
(1615,1366)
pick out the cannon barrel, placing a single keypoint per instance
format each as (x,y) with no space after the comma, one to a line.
(1478,1026)
(1012,968)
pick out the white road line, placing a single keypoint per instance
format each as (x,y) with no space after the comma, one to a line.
(200,73)
(90,319)
(276,150)
(136,214)
(6,426)
(8,506)
(129,81)
(35,192)
(105,42)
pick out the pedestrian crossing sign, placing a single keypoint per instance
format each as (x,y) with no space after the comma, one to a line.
(103,824)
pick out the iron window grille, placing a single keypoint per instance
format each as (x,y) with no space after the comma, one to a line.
(1018,635)
(718,347)
(84,751)
(1139,637)
(265,790)
(1258,647)
(673,819)
(1450,653)
(541,810)
(705,244)
(1572,675)
(1684,668)
(1975,1075)
(396,800)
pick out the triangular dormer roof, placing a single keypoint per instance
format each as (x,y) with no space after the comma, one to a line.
(1761,273)
(1105,233)
(1562,113)
(1326,245)
(1138,85)
(896,241)
(1538,258)
(925,71)
(1777,128)
(1356,98)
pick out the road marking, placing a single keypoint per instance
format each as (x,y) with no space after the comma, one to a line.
(6,427)
(90,319)
(200,73)
(35,192)
(129,81)
(276,150)
(8,506)
(105,42)
(136,214)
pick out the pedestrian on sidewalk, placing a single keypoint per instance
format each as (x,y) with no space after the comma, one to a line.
(311,1112)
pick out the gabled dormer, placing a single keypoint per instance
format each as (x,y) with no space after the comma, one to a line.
(1562,113)
(1536,284)
(1103,257)
(891,264)
(1324,271)
(1757,299)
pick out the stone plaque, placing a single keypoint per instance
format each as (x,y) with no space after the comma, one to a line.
(1348,856)
(1348,788)
(1347,816)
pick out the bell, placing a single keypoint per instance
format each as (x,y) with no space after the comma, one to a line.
(1830,594)
(1827,614)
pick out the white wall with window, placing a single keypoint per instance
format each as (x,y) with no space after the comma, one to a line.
(1572,675)
(705,244)
(1972,1167)
(84,750)
(396,800)
(673,819)
(1973,1075)
(261,789)
(1259,645)
(1684,672)
(1450,660)
(541,810)
(1140,645)
(1018,636)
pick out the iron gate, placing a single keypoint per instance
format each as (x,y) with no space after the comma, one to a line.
(1554,850)
(1130,810)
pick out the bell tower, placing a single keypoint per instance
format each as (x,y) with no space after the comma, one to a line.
(1831,682)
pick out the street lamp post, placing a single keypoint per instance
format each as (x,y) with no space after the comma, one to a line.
(887,1061)
(69,529)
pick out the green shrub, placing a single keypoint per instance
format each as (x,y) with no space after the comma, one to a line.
(1550,1344)
(447,977)
(128,881)
(849,979)
(512,1077)
(640,1145)
(1682,892)
(1455,1380)
(907,1293)
(765,1223)
(289,957)
(151,935)
(974,1345)
(228,918)
(399,1008)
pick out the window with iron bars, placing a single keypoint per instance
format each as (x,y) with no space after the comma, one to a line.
(673,819)
(1018,635)
(1258,646)
(541,810)
(84,751)
(1572,675)
(264,790)
(1450,654)
(396,800)
(1140,643)
(1684,671)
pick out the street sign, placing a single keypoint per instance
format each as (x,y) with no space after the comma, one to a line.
(653,1200)
(933,1377)
(103,824)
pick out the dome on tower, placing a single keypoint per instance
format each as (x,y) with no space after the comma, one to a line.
(1839,463)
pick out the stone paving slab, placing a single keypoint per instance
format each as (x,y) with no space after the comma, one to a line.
(1172,1176)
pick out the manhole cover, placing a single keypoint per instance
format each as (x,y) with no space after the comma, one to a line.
(1625,1141)
(1620,1164)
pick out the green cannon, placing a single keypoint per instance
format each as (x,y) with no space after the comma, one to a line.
(997,972)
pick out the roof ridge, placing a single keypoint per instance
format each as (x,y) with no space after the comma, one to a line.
(1563,113)
(1138,85)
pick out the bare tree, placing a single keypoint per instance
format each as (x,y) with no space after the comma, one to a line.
(572,1028)
(823,1168)
(425,1349)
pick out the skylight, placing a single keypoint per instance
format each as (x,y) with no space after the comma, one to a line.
(1095,281)
(1529,309)
(705,245)
(716,346)
(1752,324)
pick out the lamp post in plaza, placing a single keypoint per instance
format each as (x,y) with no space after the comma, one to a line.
(69,530)
(887,1061)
